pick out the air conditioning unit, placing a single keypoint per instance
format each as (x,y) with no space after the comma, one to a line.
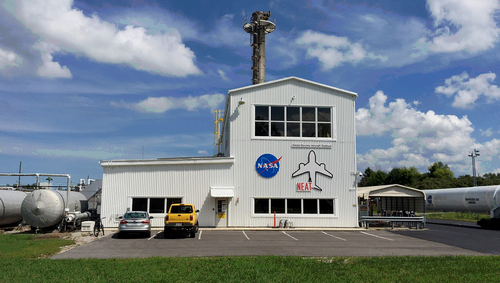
(88,226)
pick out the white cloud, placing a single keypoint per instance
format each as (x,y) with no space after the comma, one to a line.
(57,23)
(486,133)
(223,75)
(463,25)
(204,152)
(418,138)
(163,104)
(332,51)
(467,90)
(9,58)
(50,68)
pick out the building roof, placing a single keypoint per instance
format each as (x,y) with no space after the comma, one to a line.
(168,161)
(293,79)
(394,190)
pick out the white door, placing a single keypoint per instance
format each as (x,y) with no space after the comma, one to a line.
(221,212)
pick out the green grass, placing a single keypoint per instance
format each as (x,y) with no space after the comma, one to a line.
(458,216)
(16,265)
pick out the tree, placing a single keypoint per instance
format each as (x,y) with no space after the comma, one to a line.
(373,178)
(403,176)
(440,170)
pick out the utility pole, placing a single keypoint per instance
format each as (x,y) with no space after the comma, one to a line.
(19,181)
(474,154)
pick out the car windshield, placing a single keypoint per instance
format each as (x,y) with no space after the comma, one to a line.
(134,215)
(181,209)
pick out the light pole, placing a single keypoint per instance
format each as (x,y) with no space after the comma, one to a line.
(474,154)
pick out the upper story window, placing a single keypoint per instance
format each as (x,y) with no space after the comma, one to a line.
(293,121)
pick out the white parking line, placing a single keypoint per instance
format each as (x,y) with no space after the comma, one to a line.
(199,235)
(377,236)
(153,235)
(289,236)
(333,236)
(245,235)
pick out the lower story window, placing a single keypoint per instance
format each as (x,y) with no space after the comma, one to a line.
(261,205)
(294,206)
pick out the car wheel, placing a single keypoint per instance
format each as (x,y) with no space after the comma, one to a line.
(148,234)
(166,234)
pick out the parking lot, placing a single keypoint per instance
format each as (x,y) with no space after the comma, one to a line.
(211,242)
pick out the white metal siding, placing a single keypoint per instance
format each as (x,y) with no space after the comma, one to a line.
(192,182)
(340,159)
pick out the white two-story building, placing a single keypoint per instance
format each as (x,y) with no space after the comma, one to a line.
(288,146)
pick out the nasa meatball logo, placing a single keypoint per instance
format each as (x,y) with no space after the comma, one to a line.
(429,200)
(267,165)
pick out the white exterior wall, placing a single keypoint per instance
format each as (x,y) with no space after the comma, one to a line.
(189,181)
(192,181)
(340,159)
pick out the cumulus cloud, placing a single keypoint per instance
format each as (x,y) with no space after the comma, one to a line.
(8,58)
(163,104)
(467,90)
(67,28)
(463,25)
(332,51)
(418,138)
(50,68)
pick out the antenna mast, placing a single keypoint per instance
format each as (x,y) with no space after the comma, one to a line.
(259,26)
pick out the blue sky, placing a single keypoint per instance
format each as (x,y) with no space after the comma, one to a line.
(83,81)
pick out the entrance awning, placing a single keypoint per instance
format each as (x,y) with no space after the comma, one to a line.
(222,192)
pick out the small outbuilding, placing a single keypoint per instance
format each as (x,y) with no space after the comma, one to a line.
(390,203)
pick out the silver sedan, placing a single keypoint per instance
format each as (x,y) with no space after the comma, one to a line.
(135,222)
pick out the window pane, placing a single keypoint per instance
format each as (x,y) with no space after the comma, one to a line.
(308,130)
(170,201)
(261,113)
(292,129)
(293,206)
(324,115)
(310,206)
(261,205)
(157,205)
(262,129)
(308,114)
(326,206)
(278,205)
(277,129)
(293,113)
(139,204)
(324,130)
(278,113)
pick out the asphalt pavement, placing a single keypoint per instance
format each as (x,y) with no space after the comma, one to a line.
(313,243)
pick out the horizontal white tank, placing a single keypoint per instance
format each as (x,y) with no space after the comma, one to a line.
(10,206)
(472,199)
(45,208)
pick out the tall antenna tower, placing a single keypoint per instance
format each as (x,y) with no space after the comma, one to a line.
(474,154)
(259,26)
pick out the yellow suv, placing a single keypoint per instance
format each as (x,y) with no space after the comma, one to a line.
(181,217)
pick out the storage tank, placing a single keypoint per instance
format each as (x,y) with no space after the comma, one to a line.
(45,208)
(472,199)
(10,207)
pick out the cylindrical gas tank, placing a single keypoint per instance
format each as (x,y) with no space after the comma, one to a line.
(471,199)
(10,206)
(45,208)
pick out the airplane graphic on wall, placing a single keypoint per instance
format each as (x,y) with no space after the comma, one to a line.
(312,168)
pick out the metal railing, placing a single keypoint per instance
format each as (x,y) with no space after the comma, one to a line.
(418,222)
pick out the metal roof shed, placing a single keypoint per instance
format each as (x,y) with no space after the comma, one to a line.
(394,198)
